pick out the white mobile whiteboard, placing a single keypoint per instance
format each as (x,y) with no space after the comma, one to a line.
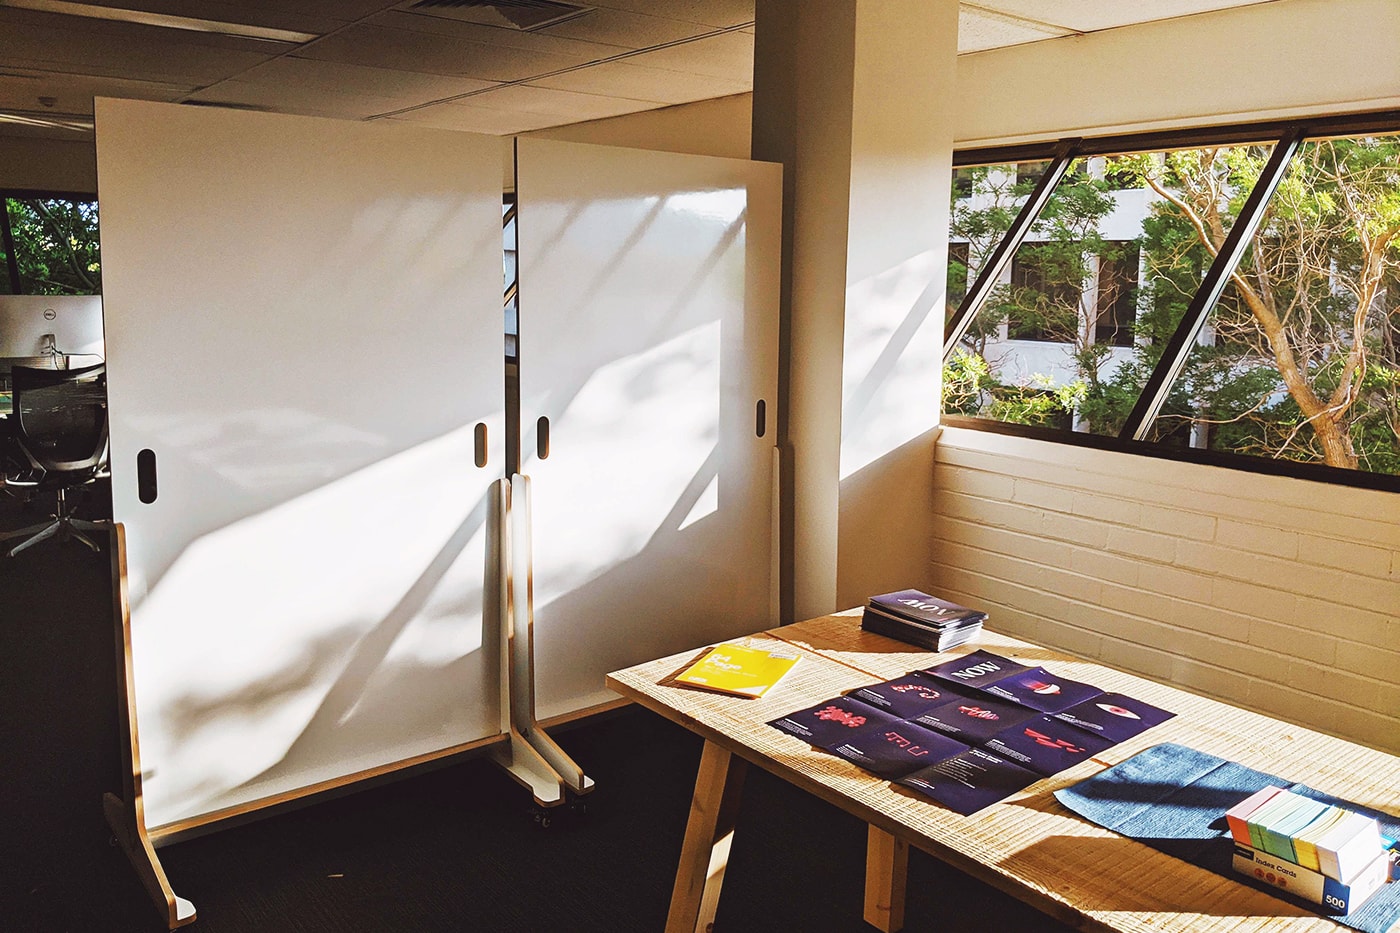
(303,321)
(648,334)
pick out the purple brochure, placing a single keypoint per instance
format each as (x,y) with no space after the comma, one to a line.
(832,722)
(1039,689)
(1114,716)
(1046,745)
(976,669)
(973,717)
(892,750)
(905,697)
(968,782)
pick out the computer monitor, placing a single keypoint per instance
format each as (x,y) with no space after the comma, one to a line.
(48,331)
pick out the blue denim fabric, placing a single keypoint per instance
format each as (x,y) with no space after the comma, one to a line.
(1174,799)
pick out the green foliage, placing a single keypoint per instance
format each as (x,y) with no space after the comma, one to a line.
(966,379)
(970,389)
(1312,317)
(56,245)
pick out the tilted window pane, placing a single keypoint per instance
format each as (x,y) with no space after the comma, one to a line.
(1070,335)
(985,202)
(56,246)
(1298,360)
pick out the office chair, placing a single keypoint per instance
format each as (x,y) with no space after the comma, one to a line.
(60,424)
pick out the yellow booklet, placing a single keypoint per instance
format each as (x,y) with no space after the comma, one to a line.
(738,669)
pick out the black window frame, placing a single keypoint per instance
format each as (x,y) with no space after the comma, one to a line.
(1286,136)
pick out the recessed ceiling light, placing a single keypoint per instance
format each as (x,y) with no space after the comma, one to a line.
(524,15)
(188,23)
(76,123)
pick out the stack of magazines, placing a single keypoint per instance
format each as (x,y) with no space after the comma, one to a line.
(921,619)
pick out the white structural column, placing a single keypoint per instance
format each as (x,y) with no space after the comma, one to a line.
(856,98)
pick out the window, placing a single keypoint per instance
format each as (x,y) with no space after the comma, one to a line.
(1115,294)
(1293,361)
(1028,173)
(963,180)
(986,199)
(1125,308)
(958,259)
(1099,282)
(50,245)
(1042,302)
(510,268)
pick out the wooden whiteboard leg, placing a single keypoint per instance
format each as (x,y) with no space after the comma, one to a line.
(708,835)
(520,759)
(528,767)
(130,832)
(558,759)
(126,815)
(520,589)
(886,874)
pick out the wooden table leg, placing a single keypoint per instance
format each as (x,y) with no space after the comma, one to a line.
(708,833)
(886,872)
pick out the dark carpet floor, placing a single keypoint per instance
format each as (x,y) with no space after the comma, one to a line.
(452,849)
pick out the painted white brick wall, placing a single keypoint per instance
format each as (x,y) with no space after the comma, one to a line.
(1276,594)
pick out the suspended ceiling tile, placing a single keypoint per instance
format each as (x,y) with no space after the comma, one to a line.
(427,53)
(709,12)
(979,30)
(402,88)
(347,10)
(623,79)
(729,55)
(14,20)
(625,30)
(566,106)
(491,35)
(475,119)
(20,90)
(1089,15)
(123,50)
(293,99)
(298,16)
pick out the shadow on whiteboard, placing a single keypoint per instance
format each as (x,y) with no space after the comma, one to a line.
(345,601)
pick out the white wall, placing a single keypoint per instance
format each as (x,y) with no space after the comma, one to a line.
(718,127)
(1286,58)
(1268,592)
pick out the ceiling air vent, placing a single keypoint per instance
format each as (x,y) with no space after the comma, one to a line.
(524,15)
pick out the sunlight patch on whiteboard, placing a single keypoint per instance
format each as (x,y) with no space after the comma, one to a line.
(239,644)
(644,426)
(724,204)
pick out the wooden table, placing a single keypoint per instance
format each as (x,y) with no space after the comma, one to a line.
(1028,845)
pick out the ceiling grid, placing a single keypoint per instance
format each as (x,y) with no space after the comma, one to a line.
(459,64)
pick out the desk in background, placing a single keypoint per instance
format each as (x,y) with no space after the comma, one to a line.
(1028,845)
